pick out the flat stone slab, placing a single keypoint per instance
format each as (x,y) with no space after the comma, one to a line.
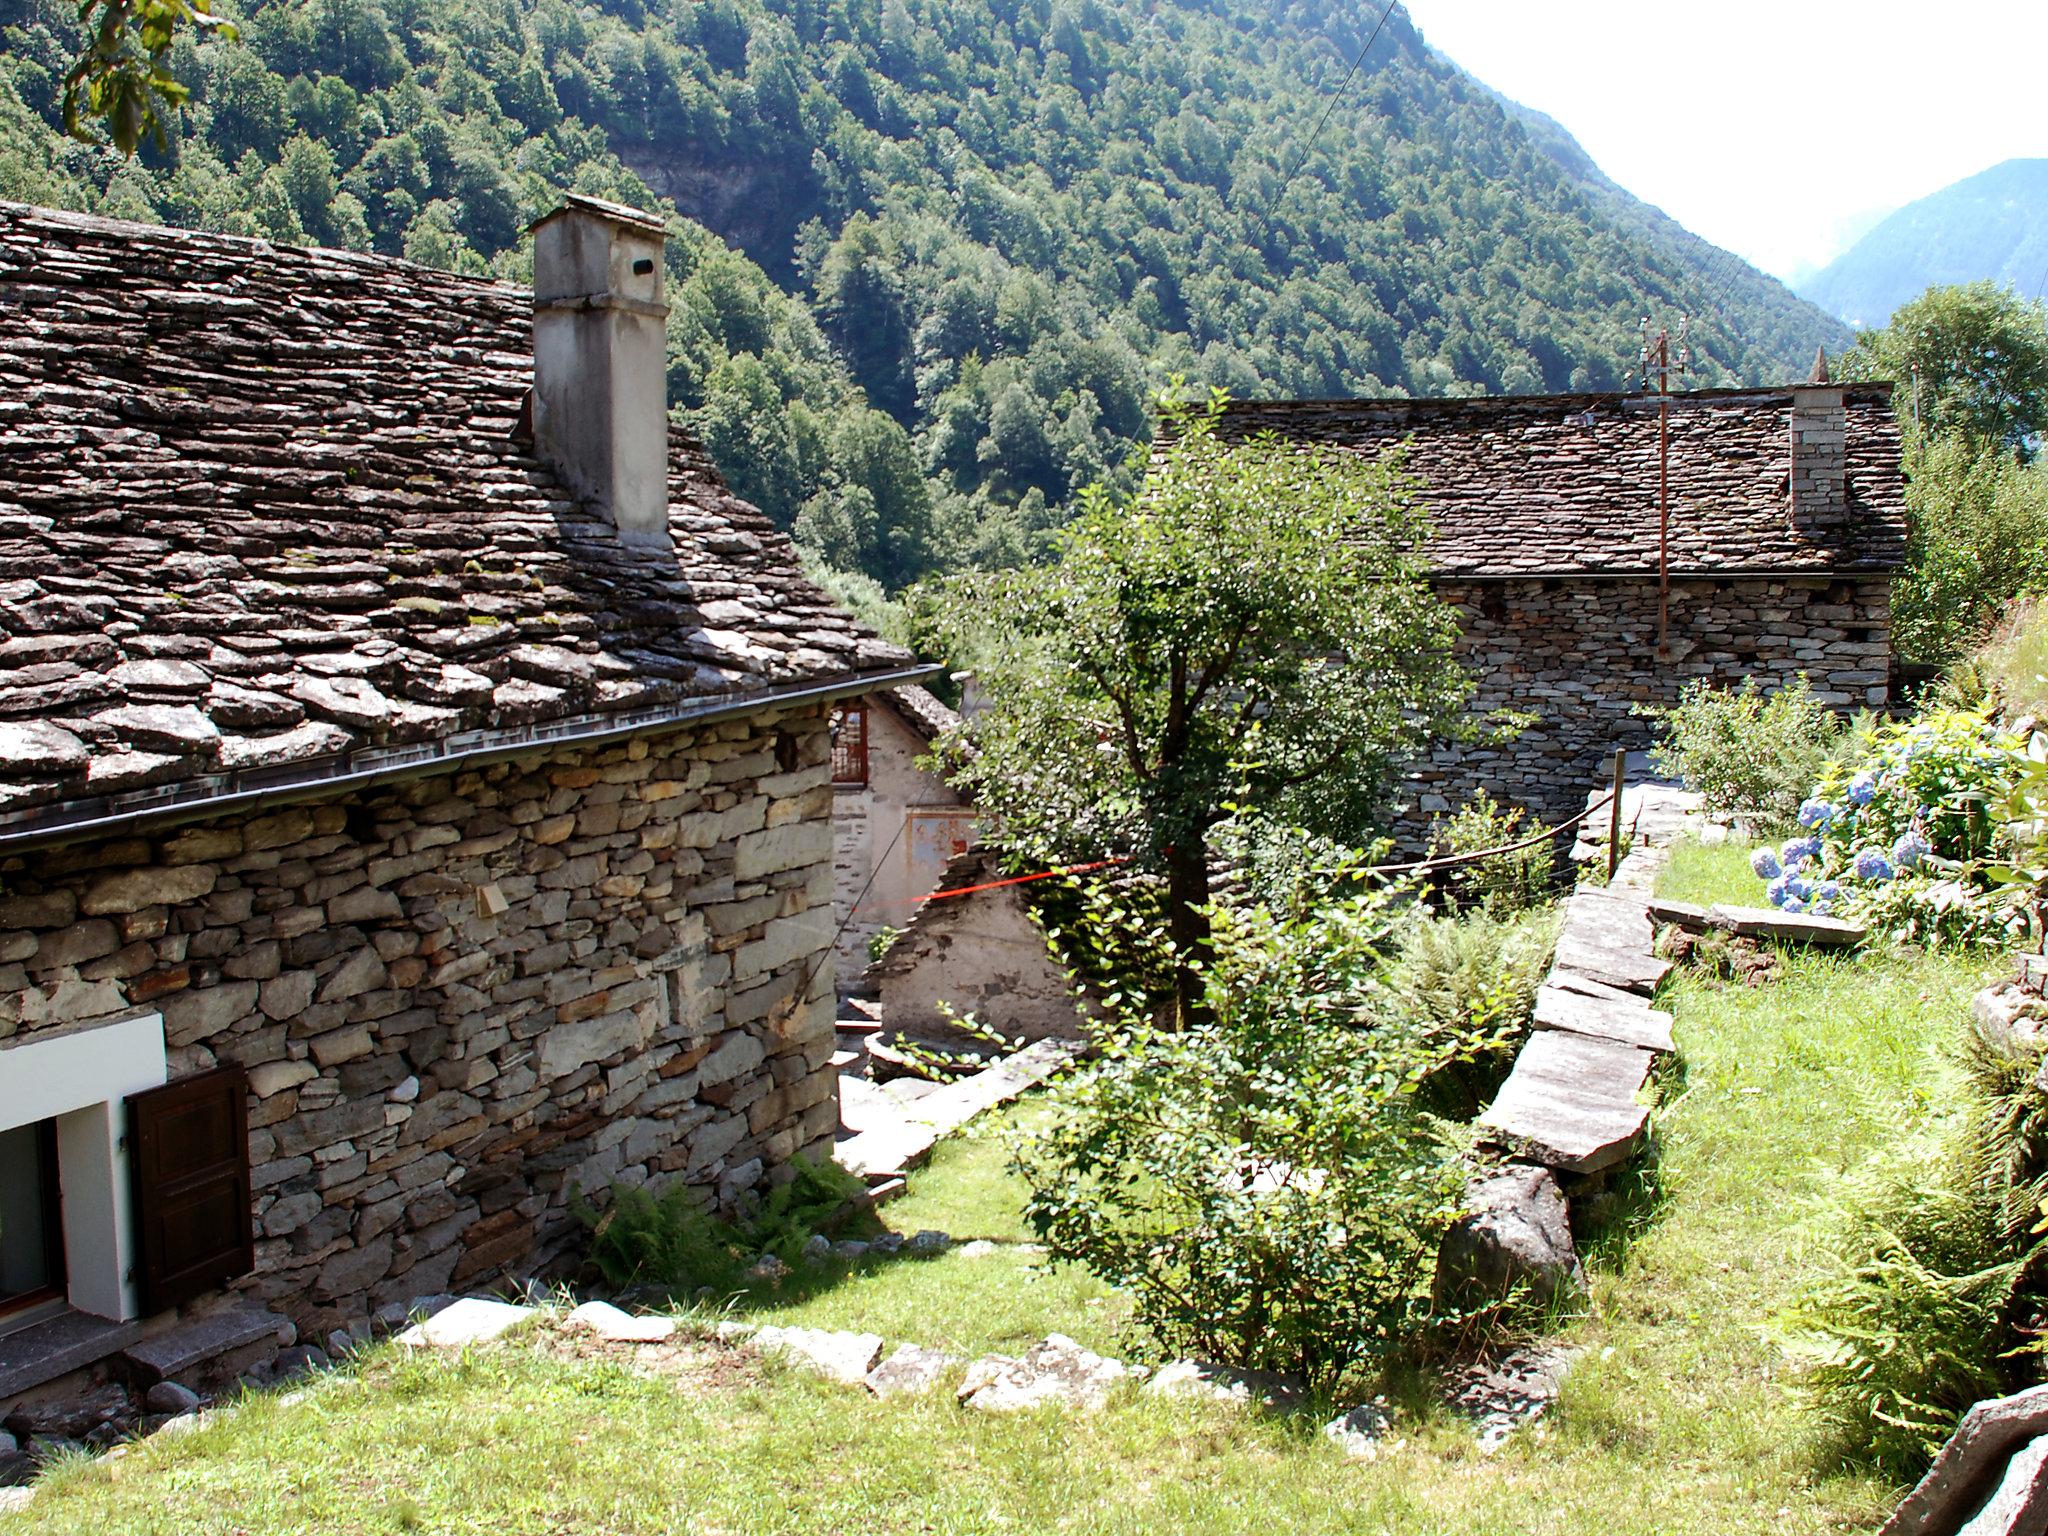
(2018,1506)
(1685,914)
(1793,927)
(1971,1467)
(68,1342)
(617,1326)
(1504,1394)
(1361,1433)
(1570,1102)
(894,1135)
(472,1320)
(910,1368)
(1054,1370)
(186,1347)
(1223,1384)
(1631,970)
(1622,1017)
(1619,920)
(842,1357)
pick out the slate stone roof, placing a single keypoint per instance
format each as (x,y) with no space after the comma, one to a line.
(923,711)
(1567,484)
(265,511)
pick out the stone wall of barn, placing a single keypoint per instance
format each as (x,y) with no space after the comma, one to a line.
(1581,654)
(461,997)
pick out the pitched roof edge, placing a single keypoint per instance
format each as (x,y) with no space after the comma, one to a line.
(1871,392)
(203,799)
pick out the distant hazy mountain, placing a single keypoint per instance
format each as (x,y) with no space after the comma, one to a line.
(1993,225)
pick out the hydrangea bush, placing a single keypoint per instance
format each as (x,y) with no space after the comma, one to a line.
(1922,830)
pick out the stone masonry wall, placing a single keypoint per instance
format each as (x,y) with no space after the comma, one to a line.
(1582,654)
(460,997)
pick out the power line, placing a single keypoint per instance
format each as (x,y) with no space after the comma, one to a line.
(1309,147)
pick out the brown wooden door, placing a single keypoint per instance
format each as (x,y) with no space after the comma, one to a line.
(188,1157)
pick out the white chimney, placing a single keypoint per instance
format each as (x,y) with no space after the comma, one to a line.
(600,366)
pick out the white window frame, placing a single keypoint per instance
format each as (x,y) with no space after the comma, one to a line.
(79,1079)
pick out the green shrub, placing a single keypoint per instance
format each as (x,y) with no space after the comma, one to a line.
(1470,982)
(1506,883)
(672,1241)
(1929,831)
(1749,753)
(1936,1294)
(1266,1184)
(667,1240)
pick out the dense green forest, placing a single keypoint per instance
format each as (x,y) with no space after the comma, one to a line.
(944,251)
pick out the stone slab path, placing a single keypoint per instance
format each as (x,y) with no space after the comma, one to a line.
(890,1135)
(1573,1101)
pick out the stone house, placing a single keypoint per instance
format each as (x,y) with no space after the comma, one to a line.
(1786,525)
(414,782)
(895,822)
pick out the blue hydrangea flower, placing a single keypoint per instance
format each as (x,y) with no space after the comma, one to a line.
(1794,904)
(1765,863)
(1775,891)
(1816,813)
(1871,864)
(1863,788)
(1798,890)
(1828,890)
(1910,849)
(1799,850)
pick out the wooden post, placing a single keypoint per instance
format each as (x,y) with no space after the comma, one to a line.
(1614,813)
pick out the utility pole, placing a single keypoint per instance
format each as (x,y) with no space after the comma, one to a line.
(1657,355)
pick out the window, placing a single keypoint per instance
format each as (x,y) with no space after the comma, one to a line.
(850,743)
(31,1217)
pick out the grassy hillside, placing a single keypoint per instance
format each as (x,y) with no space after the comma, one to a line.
(1006,222)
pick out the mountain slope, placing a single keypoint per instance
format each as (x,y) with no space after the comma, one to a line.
(1007,222)
(1992,225)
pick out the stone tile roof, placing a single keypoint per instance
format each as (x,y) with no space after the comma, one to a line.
(922,710)
(1525,485)
(264,511)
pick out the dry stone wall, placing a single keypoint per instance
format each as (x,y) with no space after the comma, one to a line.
(1581,654)
(461,997)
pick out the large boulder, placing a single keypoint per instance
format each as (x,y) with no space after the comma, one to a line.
(1516,1232)
(1969,1479)
(1054,1370)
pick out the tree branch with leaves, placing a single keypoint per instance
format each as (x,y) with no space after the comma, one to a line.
(1253,631)
(122,76)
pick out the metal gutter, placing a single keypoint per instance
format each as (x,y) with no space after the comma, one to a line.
(221,794)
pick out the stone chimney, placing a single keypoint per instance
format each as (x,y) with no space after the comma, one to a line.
(600,367)
(1820,440)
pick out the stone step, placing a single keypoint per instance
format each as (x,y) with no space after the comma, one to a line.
(1624,1019)
(1571,1103)
(893,1143)
(1792,927)
(1682,914)
(189,1347)
(1630,970)
(1610,921)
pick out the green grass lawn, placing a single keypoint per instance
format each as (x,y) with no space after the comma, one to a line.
(1678,1420)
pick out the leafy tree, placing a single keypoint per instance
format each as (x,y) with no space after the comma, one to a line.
(1978,537)
(1254,629)
(1969,359)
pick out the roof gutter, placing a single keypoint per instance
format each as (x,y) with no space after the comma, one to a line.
(220,794)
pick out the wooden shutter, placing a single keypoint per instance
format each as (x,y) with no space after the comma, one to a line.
(188,1160)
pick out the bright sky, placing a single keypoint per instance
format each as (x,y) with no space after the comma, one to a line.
(1793,124)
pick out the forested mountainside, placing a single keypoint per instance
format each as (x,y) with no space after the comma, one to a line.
(1992,225)
(977,234)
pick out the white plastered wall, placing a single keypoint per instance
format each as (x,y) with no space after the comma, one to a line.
(79,1079)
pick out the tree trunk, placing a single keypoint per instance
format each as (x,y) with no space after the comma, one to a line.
(1187,923)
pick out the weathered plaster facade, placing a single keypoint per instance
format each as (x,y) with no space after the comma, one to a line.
(980,954)
(893,835)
